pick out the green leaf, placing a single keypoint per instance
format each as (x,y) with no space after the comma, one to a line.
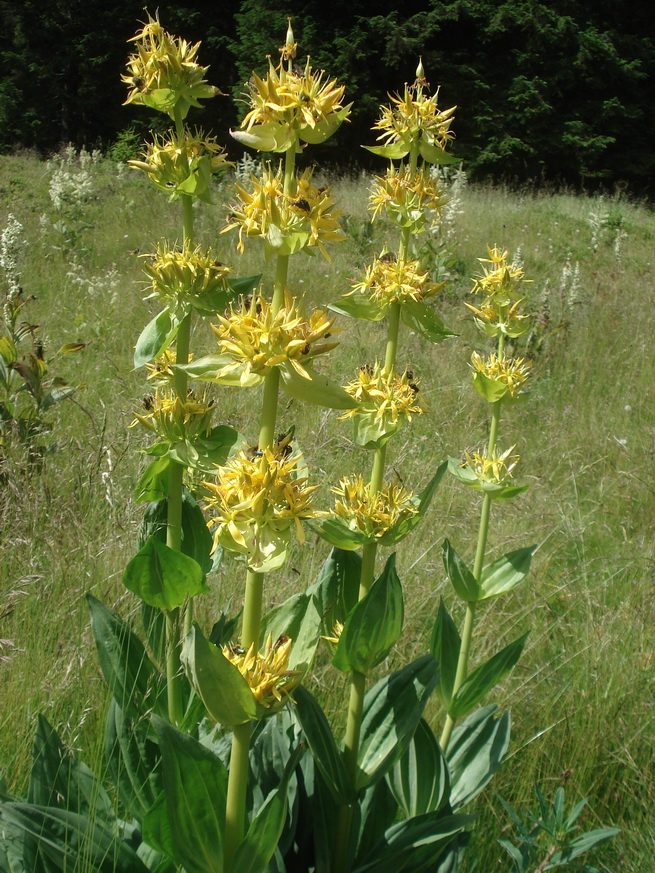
(55,395)
(132,760)
(496,491)
(421,503)
(324,127)
(129,673)
(156,828)
(58,778)
(65,837)
(218,683)
(320,740)
(422,318)
(195,788)
(153,484)
(434,154)
(336,531)
(197,542)
(371,432)
(155,338)
(244,285)
(394,151)
(358,306)
(414,845)
(491,389)
(207,453)
(162,576)
(445,646)
(477,747)
(582,844)
(318,389)
(485,677)
(463,581)
(506,573)
(263,835)
(419,780)
(337,589)
(373,625)
(298,618)
(392,709)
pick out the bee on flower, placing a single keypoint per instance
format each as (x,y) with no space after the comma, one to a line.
(163,73)
(267,673)
(257,500)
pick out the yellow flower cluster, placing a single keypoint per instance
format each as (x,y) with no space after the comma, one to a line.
(182,164)
(306,218)
(387,281)
(501,284)
(491,468)
(257,498)
(512,372)
(372,514)
(186,274)
(163,72)
(413,200)
(388,395)
(174,419)
(267,674)
(260,338)
(415,114)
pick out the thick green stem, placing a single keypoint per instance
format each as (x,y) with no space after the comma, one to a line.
(235,811)
(173,686)
(483,532)
(235,815)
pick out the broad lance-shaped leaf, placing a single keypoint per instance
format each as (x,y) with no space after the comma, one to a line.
(320,740)
(477,747)
(195,792)
(423,319)
(337,587)
(445,646)
(153,482)
(485,677)
(506,573)
(197,541)
(298,618)
(162,576)
(318,389)
(132,760)
(419,779)
(373,625)
(392,709)
(463,581)
(205,453)
(131,676)
(265,830)
(155,338)
(218,683)
(336,531)
(358,306)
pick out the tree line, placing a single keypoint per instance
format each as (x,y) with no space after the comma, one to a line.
(558,91)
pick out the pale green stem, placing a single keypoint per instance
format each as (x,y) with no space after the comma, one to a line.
(235,814)
(483,532)
(173,686)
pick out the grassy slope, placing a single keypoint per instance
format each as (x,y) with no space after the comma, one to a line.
(581,697)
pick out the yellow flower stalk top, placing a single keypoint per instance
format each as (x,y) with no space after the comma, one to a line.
(258,498)
(290,105)
(385,402)
(253,339)
(286,223)
(412,200)
(182,164)
(492,468)
(499,375)
(174,419)
(267,673)
(163,73)
(501,286)
(372,514)
(388,281)
(186,277)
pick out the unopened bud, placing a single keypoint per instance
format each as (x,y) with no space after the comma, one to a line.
(420,70)
(289,34)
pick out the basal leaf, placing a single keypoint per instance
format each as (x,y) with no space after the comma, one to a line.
(477,747)
(445,646)
(419,779)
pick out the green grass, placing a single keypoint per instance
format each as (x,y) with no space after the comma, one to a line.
(582,696)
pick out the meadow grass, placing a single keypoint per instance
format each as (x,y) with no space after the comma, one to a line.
(582,696)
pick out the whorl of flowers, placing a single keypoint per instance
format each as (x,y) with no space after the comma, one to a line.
(372,514)
(387,281)
(259,496)
(287,222)
(501,286)
(410,199)
(510,372)
(174,419)
(415,113)
(163,72)
(267,673)
(491,468)
(388,395)
(190,275)
(259,338)
(182,164)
